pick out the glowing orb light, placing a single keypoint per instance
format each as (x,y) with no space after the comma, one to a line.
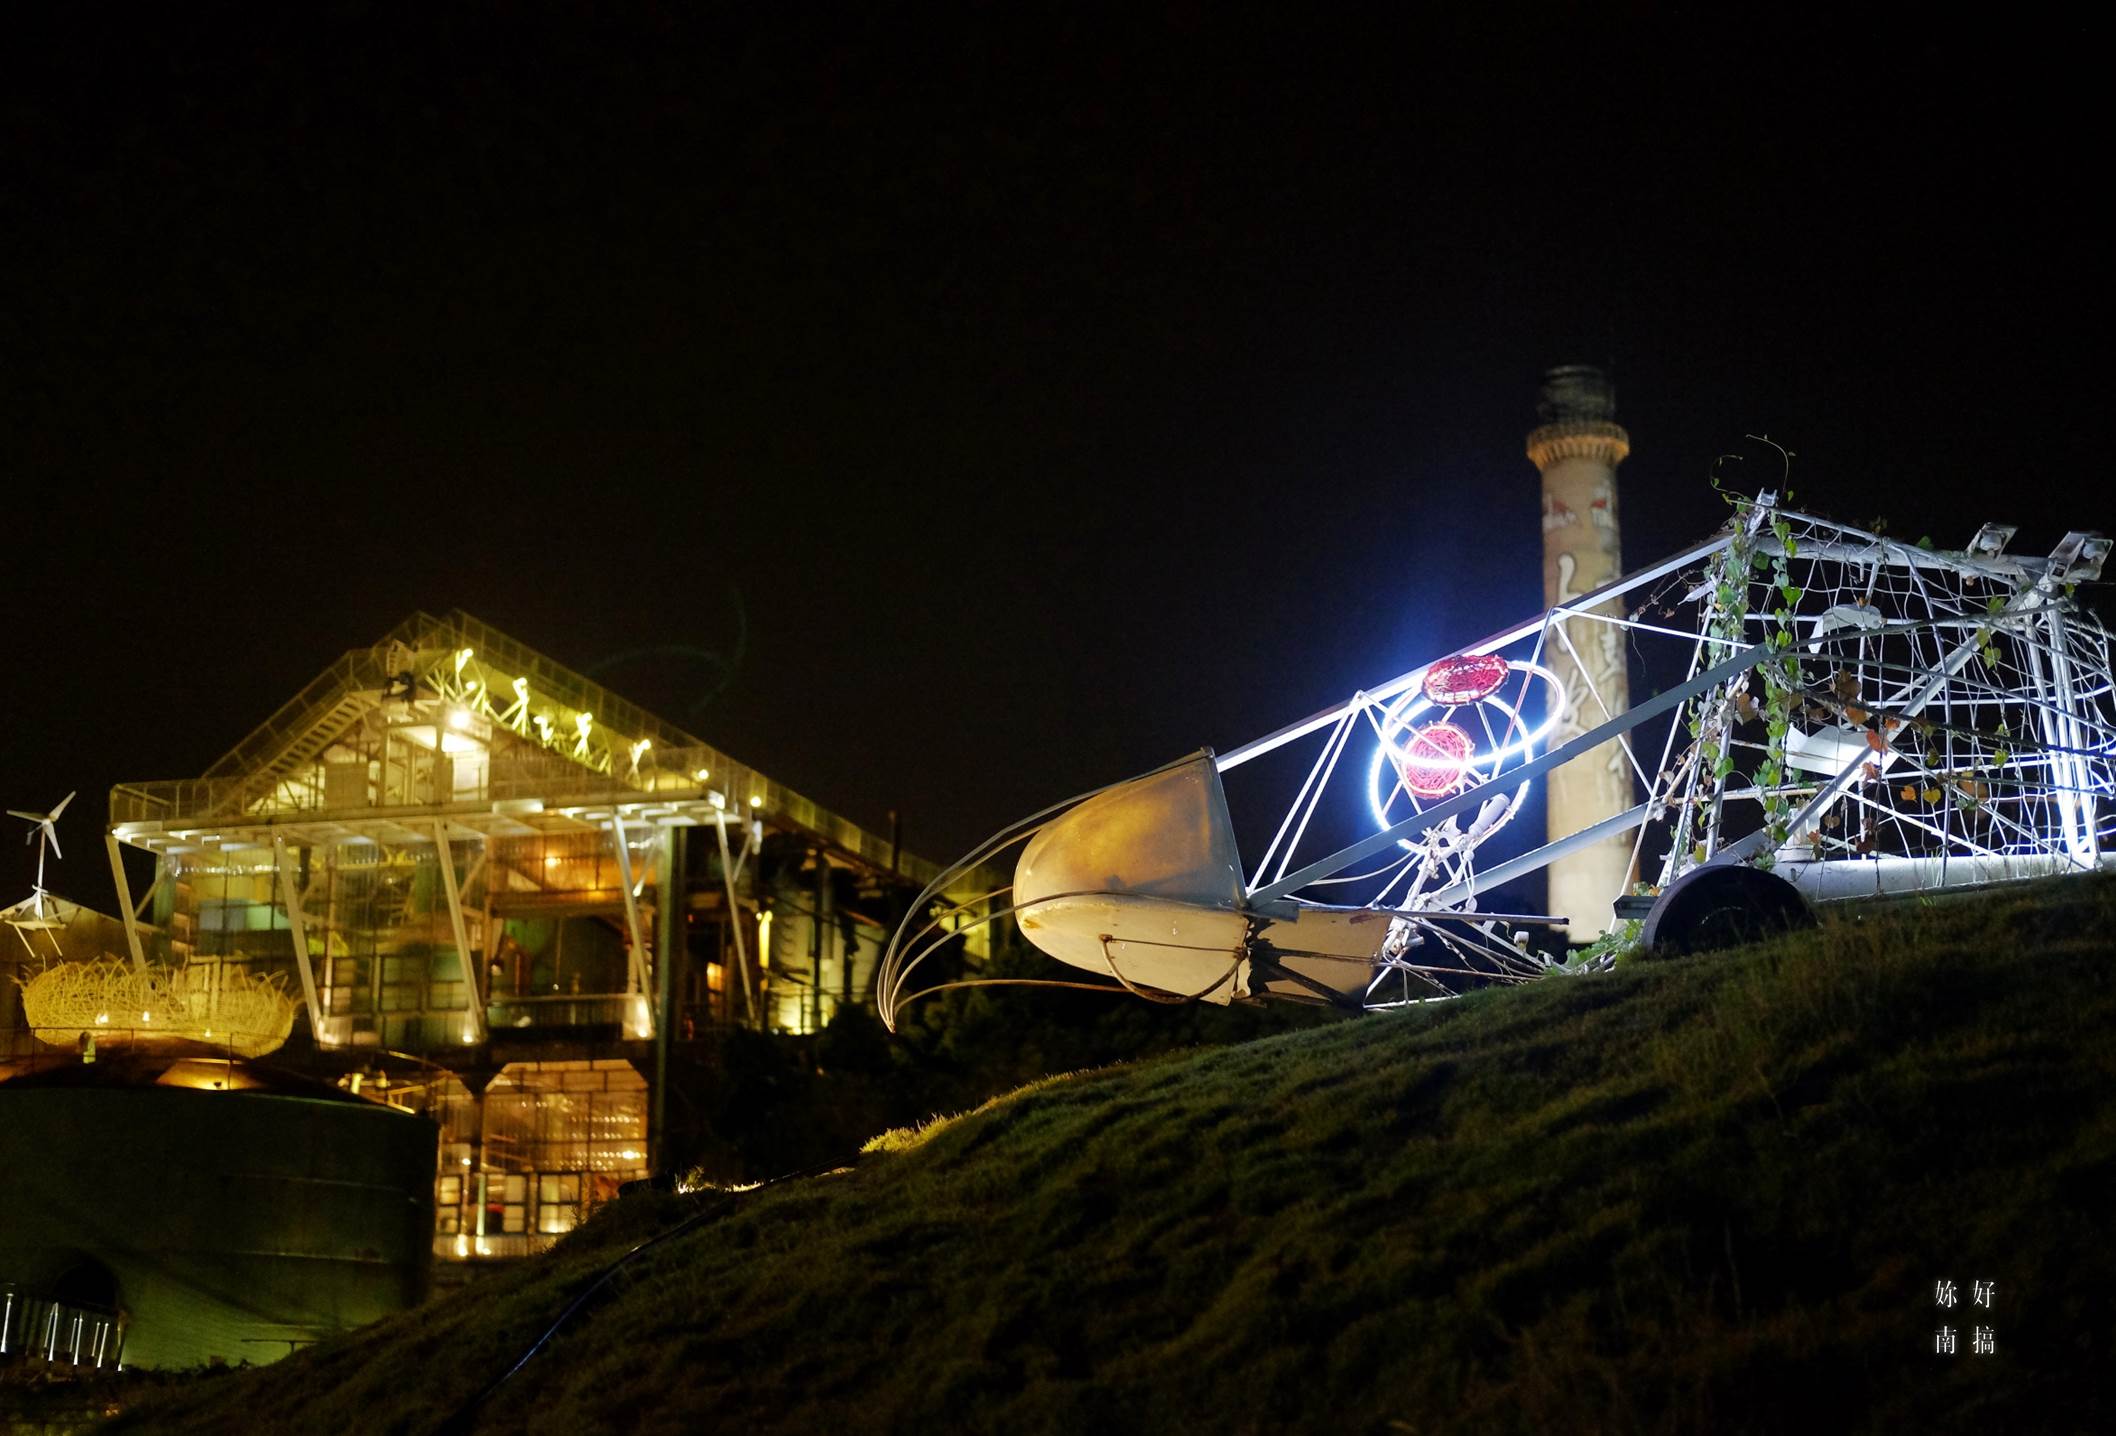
(1510,735)
(1436,760)
(1452,682)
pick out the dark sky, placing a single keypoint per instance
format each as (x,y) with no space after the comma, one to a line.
(1027,399)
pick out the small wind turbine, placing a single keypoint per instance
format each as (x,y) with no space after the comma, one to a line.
(46,834)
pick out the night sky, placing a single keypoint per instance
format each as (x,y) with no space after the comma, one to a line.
(948,417)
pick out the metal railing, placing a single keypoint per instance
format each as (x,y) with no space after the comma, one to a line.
(510,1014)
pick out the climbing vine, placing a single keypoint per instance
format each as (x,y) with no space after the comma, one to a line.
(1783,682)
(1780,672)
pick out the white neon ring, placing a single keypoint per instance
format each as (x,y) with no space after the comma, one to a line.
(1380,804)
(1407,709)
(1414,702)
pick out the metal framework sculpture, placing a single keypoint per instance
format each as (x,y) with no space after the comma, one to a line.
(1851,714)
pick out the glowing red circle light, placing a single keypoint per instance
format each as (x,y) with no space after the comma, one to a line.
(1452,682)
(1436,760)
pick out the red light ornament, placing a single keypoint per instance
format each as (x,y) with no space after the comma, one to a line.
(1436,759)
(1452,682)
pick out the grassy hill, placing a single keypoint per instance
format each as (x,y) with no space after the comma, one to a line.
(1709,1194)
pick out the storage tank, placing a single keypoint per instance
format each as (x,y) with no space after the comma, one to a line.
(228,1211)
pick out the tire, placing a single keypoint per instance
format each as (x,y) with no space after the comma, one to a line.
(1723,906)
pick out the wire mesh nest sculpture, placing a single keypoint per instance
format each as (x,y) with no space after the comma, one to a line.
(111,1001)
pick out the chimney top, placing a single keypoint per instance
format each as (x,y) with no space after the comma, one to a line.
(1575,391)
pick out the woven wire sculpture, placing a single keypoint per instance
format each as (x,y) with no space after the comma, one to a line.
(111,1001)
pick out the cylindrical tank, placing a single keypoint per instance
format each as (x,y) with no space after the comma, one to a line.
(239,1213)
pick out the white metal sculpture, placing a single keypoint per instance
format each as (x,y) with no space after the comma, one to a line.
(1847,713)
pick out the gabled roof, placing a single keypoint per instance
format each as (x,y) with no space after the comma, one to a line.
(425,648)
(591,749)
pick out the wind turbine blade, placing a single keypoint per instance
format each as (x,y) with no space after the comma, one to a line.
(53,833)
(62,804)
(25,817)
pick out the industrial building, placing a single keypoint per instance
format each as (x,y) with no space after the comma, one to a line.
(463,880)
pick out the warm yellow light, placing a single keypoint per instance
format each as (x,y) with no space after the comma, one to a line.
(207,1074)
(551,861)
(755,801)
(463,656)
(700,776)
(459,719)
(68,999)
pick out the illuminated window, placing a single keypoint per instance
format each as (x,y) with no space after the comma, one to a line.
(558,1202)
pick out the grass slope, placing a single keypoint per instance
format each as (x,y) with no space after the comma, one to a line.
(1712,1194)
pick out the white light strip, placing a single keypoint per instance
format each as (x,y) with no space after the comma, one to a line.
(1502,639)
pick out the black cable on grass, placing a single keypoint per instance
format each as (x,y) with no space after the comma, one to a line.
(460,1421)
